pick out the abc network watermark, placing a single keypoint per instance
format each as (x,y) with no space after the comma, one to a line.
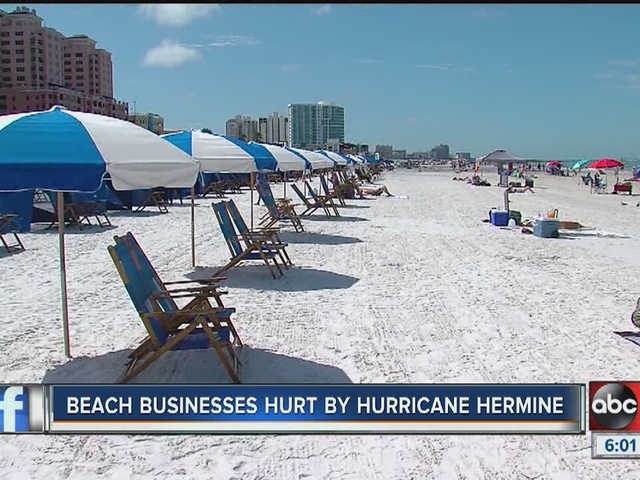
(614,406)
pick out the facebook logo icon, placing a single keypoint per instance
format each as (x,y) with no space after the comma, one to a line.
(14,406)
(21,409)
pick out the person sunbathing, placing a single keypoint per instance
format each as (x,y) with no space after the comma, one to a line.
(372,191)
(520,190)
(478,182)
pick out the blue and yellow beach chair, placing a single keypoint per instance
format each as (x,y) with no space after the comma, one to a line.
(252,250)
(196,326)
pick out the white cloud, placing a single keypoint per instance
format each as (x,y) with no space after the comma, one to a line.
(325,9)
(290,68)
(435,67)
(178,14)
(605,76)
(624,63)
(447,66)
(370,62)
(170,54)
(234,41)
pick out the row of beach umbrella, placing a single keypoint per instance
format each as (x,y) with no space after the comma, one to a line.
(504,157)
(60,150)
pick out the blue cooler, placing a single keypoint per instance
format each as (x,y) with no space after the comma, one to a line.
(499,218)
(547,228)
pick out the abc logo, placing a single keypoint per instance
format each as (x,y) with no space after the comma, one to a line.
(614,406)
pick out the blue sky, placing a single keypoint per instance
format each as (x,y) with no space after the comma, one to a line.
(542,81)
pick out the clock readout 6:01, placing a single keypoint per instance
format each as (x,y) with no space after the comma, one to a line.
(615,445)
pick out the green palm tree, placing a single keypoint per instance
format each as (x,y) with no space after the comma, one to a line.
(206,130)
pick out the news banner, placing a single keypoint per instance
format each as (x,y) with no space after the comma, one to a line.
(332,409)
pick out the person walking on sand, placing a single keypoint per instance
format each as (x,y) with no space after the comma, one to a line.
(261,179)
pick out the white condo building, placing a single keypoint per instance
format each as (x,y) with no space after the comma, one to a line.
(316,125)
(274,129)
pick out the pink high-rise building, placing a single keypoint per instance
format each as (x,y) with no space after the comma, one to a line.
(40,68)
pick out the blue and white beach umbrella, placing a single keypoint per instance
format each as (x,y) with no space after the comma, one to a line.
(355,159)
(222,154)
(335,157)
(64,150)
(67,151)
(315,160)
(286,160)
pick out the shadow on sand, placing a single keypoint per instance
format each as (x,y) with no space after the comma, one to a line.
(74,230)
(4,253)
(317,238)
(295,279)
(353,206)
(633,337)
(341,218)
(197,367)
(130,213)
(591,234)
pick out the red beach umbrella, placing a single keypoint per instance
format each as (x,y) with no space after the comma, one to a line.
(605,163)
(554,163)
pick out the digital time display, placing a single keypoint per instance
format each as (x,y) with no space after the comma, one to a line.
(615,445)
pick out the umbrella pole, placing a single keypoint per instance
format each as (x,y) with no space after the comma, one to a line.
(285,184)
(63,277)
(193,226)
(251,182)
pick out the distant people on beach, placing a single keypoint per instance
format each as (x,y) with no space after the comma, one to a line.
(261,179)
(373,191)
(587,179)
(479,182)
(520,190)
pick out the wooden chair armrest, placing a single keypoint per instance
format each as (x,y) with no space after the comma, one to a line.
(184,313)
(203,280)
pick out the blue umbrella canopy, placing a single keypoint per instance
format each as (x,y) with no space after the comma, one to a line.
(64,150)
(580,164)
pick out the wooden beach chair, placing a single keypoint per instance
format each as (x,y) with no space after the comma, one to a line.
(154,199)
(252,250)
(200,291)
(269,236)
(325,200)
(312,206)
(277,212)
(79,213)
(196,326)
(335,194)
(9,226)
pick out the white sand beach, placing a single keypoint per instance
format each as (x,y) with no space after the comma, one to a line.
(403,290)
